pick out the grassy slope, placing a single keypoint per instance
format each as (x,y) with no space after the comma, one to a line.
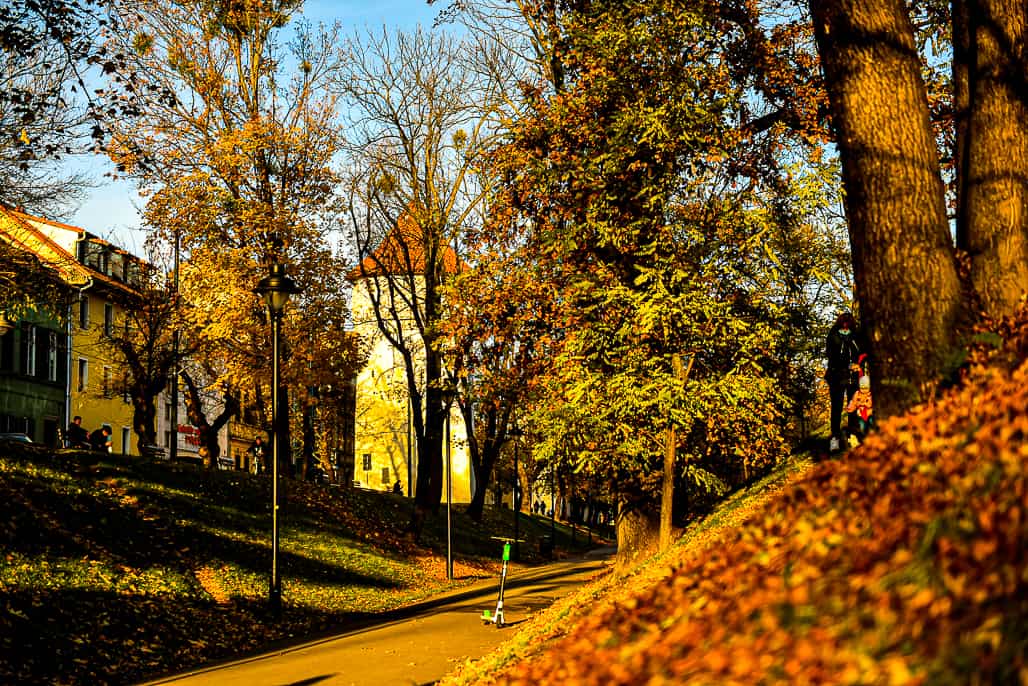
(132,569)
(903,562)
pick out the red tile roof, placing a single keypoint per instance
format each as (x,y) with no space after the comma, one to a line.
(402,251)
(56,255)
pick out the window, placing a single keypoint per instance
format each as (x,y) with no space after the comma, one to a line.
(30,350)
(51,357)
(367,462)
(126,440)
(83,375)
(83,311)
(108,319)
(107,382)
(385,475)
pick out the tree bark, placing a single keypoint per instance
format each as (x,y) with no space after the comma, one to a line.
(638,530)
(903,263)
(667,496)
(208,431)
(144,417)
(992,148)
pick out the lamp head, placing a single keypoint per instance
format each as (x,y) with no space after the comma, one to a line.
(276,288)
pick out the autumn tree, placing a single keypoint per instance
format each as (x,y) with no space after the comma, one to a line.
(61,86)
(197,410)
(502,346)
(238,166)
(142,345)
(418,119)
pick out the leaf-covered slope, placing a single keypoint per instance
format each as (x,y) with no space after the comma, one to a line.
(905,561)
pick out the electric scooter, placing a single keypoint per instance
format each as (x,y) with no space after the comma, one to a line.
(496,617)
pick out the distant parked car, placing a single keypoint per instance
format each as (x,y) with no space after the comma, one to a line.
(15,437)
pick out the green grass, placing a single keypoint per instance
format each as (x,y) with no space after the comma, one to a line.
(126,569)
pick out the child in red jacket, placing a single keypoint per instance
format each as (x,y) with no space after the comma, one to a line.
(861,410)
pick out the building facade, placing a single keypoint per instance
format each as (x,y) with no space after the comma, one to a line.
(385,450)
(33,377)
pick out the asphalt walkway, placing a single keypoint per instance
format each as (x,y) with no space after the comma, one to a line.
(418,644)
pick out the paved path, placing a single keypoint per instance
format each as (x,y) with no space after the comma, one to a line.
(415,645)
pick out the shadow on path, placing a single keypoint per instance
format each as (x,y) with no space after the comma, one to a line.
(548,580)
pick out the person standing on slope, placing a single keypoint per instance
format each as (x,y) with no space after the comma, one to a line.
(843,351)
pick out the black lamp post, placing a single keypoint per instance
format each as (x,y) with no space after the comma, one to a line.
(275,288)
(516,433)
(448,394)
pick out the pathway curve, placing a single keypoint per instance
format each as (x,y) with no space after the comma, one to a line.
(417,645)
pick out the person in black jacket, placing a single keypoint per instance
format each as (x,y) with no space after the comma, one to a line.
(77,436)
(843,351)
(100,439)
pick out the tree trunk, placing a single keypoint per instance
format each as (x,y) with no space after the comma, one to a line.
(210,450)
(309,436)
(992,149)
(430,450)
(638,531)
(667,496)
(144,418)
(903,263)
(484,454)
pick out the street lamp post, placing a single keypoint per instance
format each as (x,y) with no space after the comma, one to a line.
(448,395)
(449,502)
(275,288)
(516,433)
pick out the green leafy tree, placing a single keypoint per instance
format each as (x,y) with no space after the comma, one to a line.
(617,183)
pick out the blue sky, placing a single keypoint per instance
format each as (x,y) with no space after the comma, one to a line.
(111,210)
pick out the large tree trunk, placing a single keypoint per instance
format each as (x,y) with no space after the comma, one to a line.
(429,432)
(903,263)
(210,450)
(144,417)
(638,530)
(667,495)
(484,453)
(992,148)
